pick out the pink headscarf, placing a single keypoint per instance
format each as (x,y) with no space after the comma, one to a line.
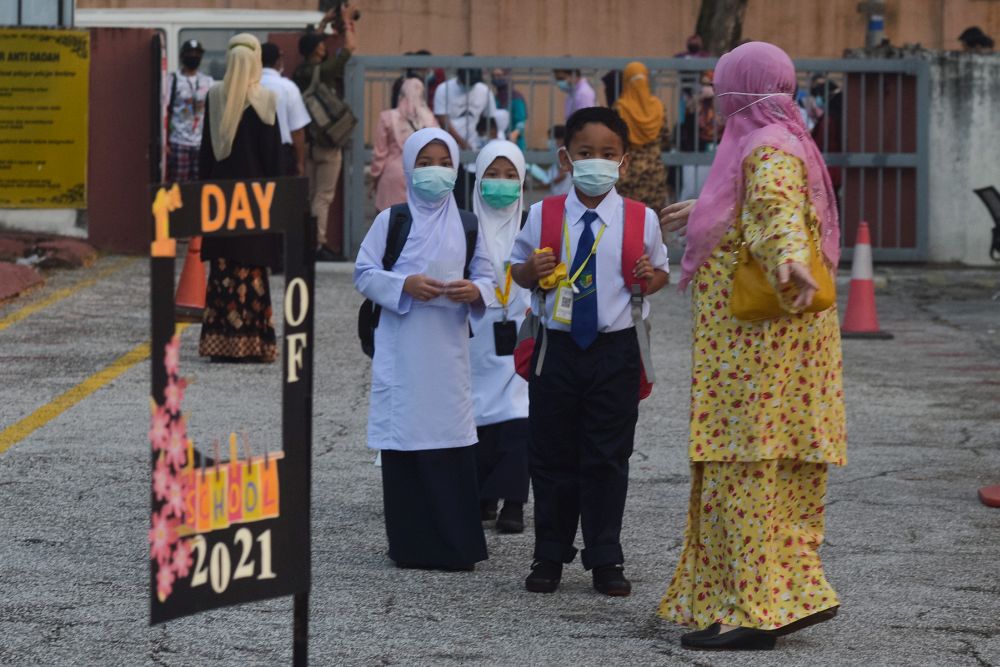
(755,87)
(412,113)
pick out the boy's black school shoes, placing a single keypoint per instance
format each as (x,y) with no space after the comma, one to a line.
(545,576)
(740,639)
(511,519)
(610,580)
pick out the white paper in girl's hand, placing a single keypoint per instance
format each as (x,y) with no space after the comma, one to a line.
(445,272)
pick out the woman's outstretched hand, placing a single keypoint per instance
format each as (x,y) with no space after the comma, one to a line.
(674,218)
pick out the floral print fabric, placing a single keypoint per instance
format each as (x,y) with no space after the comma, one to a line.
(750,554)
(770,389)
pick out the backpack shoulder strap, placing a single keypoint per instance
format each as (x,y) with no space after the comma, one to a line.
(470,224)
(173,94)
(399,228)
(633,245)
(553,209)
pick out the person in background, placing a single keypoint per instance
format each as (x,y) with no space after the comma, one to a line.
(241,140)
(513,101)
(431,78)
(459,103)
(579,93)
(612,86)
(186,114)
(559,180)
(292,114)
(699,132)
(499,394)
(826,132)
(974,40)
(694,48)
(646,178)
(323,164)
(487,130)
(767,402)
(394,127)
(421,412)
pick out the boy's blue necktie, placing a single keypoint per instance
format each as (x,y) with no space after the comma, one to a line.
(583,329)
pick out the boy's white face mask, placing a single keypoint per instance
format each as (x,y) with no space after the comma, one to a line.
(595,177)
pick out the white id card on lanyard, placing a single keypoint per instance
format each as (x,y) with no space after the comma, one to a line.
(562,310)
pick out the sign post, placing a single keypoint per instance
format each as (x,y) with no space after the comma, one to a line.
(229,524)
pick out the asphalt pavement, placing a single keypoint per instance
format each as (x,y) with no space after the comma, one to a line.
(913,554)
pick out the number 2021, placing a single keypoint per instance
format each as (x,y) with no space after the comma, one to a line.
(220,566)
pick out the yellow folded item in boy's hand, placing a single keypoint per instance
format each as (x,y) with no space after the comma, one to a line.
(558,274)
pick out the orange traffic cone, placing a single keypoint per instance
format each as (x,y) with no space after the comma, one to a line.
(190,300)
(861,319)
(990,496)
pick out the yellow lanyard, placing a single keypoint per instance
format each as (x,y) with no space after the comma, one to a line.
(504,296)
(593,249)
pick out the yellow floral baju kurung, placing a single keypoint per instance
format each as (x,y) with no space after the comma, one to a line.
(767,417)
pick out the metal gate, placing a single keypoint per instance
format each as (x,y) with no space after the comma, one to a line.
(873,131)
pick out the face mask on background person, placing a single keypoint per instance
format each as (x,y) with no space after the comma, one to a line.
(434,183)
(595,177)
(563,85)
(500,192)
(191,61)
(553,145)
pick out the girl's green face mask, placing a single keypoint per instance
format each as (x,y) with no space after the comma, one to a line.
(500,192)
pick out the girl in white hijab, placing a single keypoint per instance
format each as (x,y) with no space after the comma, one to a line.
(499,394)
(420,414)
(241,140)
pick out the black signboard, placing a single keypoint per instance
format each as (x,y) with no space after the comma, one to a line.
(232,525)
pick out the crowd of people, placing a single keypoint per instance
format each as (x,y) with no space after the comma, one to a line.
(511,352)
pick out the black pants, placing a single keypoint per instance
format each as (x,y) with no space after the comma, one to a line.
(502,459)
(584,407)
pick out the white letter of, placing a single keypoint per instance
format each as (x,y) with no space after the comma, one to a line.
(296,343)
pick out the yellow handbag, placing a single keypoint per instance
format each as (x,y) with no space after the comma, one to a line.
(753,297)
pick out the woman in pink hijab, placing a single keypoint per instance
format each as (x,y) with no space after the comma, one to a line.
(394,127)
(767,407)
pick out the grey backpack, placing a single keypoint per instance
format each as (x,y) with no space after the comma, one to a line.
(332,120)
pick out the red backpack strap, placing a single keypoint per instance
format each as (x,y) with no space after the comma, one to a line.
(552,224)
(633,245)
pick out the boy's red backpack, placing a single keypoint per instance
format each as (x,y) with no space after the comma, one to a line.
(632,250)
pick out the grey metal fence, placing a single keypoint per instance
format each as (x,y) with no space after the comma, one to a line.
(871,114)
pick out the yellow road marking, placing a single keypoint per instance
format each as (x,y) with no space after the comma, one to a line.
(61,294)
(43,415)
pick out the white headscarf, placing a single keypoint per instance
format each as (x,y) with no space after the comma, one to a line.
(498,226)
(239,89)
(430,218)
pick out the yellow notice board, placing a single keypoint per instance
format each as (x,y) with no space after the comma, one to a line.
(44,83)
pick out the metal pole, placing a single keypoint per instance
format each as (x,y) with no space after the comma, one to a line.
(300,631)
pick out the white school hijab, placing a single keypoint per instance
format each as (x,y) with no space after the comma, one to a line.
(430,218)
(498,226)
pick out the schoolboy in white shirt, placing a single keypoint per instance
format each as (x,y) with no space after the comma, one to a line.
(584,396)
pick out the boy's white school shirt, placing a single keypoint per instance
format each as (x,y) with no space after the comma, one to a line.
(421,394)
(613,299)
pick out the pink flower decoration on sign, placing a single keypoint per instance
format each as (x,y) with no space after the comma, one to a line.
(176,446)
(182,560)
(161,479)
(172,355)
(162,536)
(175,498)
(159,428)
(173,395)
(164,583)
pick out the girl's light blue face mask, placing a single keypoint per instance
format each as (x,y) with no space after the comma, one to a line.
(433,183)
(595,177)
(500,192)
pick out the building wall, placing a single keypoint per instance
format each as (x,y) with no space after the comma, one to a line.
(964,144)
(812,28)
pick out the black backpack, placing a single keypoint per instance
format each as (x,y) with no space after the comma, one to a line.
(399,229)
